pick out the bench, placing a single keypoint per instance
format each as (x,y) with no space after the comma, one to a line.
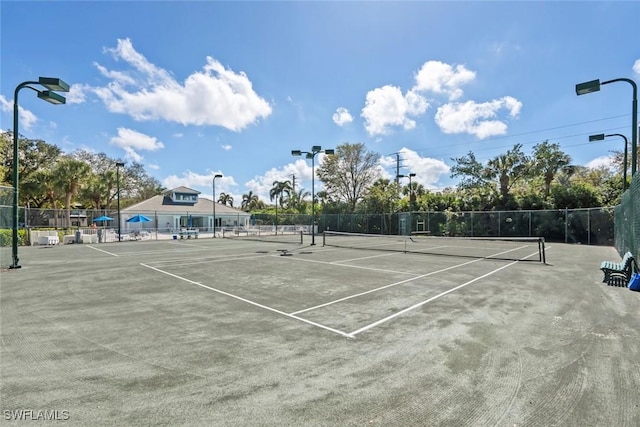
(619,273)
(48,240)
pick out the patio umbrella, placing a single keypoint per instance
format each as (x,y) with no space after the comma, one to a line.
(102,218)
(138,218)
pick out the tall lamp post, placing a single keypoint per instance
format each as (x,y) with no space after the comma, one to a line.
(52,84)
(411,196)
(214,202)
(594,86)
(311,155)
(601,137)
(118,166)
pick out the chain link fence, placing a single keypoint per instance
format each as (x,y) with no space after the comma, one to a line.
(6,225)
(594,226)
(627,219)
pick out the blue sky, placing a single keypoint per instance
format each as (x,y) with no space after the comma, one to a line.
(191,89)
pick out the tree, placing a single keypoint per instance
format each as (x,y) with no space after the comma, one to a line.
(349,173)
(382,196)
(547,160)
(297,200)
(250,201)
(502,172)
(97,189)
(278,191)
(226,199)
(34,155)
(281,191)
(70,174)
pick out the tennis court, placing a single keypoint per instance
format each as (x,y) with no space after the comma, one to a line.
(248,332)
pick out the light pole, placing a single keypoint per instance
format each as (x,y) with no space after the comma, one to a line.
(52,84)
(118,166)
(311,155)
(594,86)
(601,137)
(214,202)
(411,196)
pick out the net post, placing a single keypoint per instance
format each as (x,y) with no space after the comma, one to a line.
(301,241)
(324,234)
(541,250)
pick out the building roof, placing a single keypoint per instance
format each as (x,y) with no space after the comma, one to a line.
(163,204)
(183,190)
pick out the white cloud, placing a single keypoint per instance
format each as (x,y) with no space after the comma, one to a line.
(215,96)
(428,170)
(77,93)
(260,185)
(636,67)
(441,78)
(192,179)
(25,117)
(602,161)
(342,116)
(386,107)
(226,147)
(153,166)
(131,154)
(131,140)
(477,118)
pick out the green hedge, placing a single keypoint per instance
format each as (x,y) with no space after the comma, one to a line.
(6,237)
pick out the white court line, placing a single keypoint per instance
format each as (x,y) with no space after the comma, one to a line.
(185,244)
(344,334)
(366,257)
(226,258)
(420,304)
(351,266)
(397,283)
(101,250)
(210,258)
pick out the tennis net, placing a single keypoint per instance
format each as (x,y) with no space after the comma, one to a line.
(280,236)
(503,248)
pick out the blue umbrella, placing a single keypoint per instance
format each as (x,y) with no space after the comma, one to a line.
(103,218)
(138,218)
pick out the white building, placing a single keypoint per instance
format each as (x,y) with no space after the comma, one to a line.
(182,208)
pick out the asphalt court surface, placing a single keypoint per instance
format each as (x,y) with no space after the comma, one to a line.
(225,332)
(345,290)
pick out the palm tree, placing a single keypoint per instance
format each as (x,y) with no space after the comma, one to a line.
(507,168)
(43,181)
(70,174)
(249,201)
(225,199)
(297,200)
(548,160)
(279,189)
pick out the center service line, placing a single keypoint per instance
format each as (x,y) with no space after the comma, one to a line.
(344,334)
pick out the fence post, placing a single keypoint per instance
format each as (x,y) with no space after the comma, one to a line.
(566,225)
(589,226)
(529,223)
